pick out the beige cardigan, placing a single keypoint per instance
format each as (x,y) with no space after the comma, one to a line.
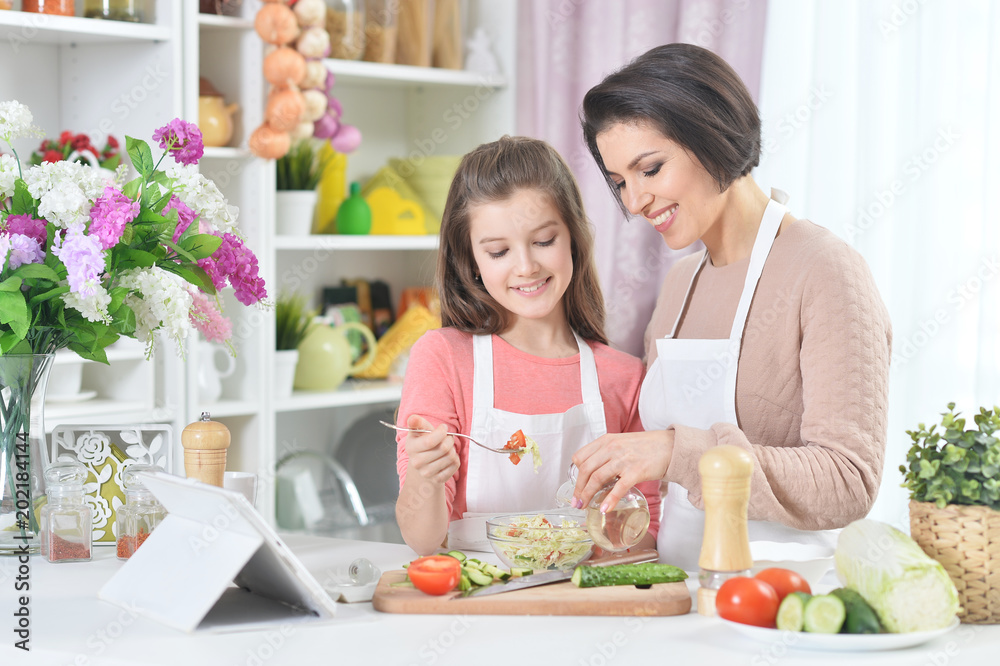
(812,381)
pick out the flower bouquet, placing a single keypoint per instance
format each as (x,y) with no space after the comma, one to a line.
(87,257)
(78,148)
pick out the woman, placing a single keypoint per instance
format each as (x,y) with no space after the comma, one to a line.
(774,339)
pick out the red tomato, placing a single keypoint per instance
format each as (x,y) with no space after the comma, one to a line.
(435,574)
(516,441)
(747,601)
(784,581)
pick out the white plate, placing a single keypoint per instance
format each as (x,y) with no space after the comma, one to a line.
(802,640)
(76,397)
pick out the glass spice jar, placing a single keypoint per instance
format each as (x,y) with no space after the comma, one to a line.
(56,7)
(416,30)
(114,10)
(345,24)
(66,519)
(381,29)
(141,513)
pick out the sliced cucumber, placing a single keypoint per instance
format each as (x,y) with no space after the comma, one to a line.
(517,572)
(861,617)
(479,577)
(473,563)
(457,554)
(792,611)
(646,573)
(464,583)
(824,614)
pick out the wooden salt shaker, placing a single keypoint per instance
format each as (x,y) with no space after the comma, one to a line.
(725,547)
(205,444)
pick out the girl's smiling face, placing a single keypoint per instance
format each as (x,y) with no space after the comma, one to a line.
(523,252)
(660,180)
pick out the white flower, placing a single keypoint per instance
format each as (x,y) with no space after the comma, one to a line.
(101,512)
(94,307)
(8,174)
(162,301)
(204,198)
(65,191)
(16,121)
(93,448)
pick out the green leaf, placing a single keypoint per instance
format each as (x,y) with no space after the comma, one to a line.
(147,216)
(22,202)
(36,271)
(132,258)
(11,284)
(90,353)
(13,309)
(124,320)
(141,156)
(201,246)
(179,250)
(131,189)
(7,341)
(193,274)
(47,295)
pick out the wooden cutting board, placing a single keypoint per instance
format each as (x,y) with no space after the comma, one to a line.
(554,599)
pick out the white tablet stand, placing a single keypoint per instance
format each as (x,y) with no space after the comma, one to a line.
(214,564)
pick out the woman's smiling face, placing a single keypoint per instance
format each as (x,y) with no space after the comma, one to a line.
(660,180)
(523,251)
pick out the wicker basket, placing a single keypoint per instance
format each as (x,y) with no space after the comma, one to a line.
(966,540)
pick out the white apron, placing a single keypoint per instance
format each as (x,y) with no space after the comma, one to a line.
(493,484)
(693,383)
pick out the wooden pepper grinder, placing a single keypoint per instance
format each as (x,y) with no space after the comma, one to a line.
(205,443)
(725,548)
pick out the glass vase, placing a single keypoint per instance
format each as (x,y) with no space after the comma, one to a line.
(23,457)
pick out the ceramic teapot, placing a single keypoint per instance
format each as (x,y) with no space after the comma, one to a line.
(209,375)
(215,117)
(326,358)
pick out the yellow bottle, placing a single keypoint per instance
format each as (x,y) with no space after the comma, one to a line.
(332,190)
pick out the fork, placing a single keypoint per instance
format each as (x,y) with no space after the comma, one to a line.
(456,434)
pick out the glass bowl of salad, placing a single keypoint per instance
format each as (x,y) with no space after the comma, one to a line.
(540,541)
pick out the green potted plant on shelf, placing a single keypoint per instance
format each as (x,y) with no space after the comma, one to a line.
(291,322)
(298,174)
(954,483)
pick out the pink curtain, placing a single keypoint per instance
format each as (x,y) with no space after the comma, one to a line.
(567,46)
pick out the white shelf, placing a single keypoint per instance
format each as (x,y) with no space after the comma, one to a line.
(226,153)
(213,22)
(100,411)
(360,242)
(31,28)
(372,74)
(353,392)
(224,408)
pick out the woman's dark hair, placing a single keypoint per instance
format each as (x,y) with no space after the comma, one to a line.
(692,96)
(495,172)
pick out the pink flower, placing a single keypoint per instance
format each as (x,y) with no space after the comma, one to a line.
(206,318)
(109,216)
(27,226)
(182,139)
(22,250)
(235,263)
(185,215)
(84,260)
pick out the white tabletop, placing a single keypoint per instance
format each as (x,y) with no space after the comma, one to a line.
(70,626)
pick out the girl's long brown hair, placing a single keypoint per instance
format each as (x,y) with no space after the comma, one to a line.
(496,172)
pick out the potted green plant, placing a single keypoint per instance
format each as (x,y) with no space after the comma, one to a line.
(954,483)
(298,174)
(291,322)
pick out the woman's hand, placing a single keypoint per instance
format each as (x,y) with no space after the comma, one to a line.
(633,457)
(432,454)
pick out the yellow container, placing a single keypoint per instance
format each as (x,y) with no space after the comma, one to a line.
(332,191)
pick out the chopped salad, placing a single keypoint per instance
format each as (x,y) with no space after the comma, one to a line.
(531,541)
(521,441)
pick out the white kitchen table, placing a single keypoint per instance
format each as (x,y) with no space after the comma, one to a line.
(71,627)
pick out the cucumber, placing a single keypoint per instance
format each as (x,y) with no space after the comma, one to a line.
(479,577)
(861,617)
(647,573)
(472,563)
(517,572)
(791,612)
(457,554)
(464,583)
(824,614)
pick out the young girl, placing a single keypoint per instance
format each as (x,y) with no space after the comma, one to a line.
(522,348)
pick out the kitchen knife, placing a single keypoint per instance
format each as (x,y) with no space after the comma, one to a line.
(519,583)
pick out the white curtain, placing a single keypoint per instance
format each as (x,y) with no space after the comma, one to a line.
(882,121)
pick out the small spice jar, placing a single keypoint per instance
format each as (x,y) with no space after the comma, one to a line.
(66,519)
(380,30)
(115,10)
(141,513)
(345,24)
(55,7)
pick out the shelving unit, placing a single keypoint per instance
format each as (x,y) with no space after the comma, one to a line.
(106,77)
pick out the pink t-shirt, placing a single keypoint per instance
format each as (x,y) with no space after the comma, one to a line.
(438,386)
